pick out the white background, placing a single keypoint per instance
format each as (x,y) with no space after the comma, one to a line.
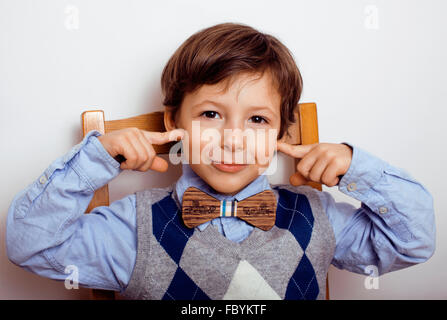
(375,68)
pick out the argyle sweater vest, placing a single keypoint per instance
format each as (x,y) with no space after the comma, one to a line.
(290,261)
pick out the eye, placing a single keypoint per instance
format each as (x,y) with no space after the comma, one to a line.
(211,114)
(258,119)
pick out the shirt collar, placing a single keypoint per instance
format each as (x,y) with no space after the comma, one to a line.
(190,179)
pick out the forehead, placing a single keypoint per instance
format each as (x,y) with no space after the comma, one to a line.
(244,88)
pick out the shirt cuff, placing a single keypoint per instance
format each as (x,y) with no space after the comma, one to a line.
(363,174)
(93,163)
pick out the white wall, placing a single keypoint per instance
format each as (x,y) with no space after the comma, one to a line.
(375,68)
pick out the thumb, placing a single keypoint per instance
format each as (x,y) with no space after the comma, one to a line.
(297,179)
(159,164)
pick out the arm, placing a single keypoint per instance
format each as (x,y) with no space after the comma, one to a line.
(393,229)
(47,229)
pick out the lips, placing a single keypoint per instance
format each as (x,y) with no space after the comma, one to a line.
(229,167)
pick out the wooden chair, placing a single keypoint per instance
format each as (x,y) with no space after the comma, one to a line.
(304,131)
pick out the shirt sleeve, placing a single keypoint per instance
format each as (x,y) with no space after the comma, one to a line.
(48,232)
(394,227)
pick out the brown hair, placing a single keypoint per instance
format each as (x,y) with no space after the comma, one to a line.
(221,52)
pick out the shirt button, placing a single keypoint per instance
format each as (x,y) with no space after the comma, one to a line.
(352,186)
(43,179)
(383,210)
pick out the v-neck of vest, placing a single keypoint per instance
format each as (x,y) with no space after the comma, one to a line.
(211,236)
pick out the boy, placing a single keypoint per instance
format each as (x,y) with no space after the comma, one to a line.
(226,77)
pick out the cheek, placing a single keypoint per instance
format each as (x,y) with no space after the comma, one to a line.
(265,146)
(203,145)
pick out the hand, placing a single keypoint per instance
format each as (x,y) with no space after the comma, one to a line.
(136,147)
(320,162)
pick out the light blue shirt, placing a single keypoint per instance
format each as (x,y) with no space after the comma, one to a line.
(47,229)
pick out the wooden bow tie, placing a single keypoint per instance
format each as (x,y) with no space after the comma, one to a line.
(199,207)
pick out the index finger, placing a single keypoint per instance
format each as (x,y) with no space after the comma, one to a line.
(164,137)
(296,151)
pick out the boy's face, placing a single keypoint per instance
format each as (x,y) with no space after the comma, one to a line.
(234,130)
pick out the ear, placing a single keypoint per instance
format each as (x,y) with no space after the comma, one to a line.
(169,118)
(293,133)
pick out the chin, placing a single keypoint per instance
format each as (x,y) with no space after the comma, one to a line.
(227,183)
(226,188)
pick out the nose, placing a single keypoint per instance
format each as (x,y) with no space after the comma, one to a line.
(233,139)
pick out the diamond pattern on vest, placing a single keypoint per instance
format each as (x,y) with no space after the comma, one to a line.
(293,213)
(183,288)
(172,235)
(299,221)
(248,284)
(168,227)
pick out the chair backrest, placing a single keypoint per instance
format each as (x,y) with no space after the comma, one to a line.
(303,131)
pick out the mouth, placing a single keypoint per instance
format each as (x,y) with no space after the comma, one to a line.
(229,167)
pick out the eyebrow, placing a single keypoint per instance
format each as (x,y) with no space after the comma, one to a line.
(209,102)
(224,106)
